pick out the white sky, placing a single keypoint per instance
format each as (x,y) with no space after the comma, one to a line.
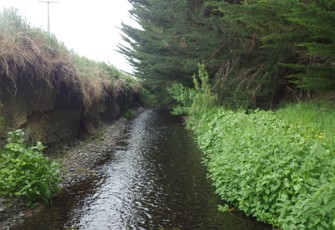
(89,27)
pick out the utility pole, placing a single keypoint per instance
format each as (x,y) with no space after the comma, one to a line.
(48,2)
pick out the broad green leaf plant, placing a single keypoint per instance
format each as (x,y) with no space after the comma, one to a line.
(25,172)
(279,172)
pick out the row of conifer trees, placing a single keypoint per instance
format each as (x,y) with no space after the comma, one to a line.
(258,53)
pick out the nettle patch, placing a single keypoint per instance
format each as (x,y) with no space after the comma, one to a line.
(277,168)
(280,173)
(25,172)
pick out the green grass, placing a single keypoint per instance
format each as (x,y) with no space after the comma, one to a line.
(318,118)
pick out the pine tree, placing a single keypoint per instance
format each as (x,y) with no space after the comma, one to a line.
(294,44)
(317,58)
(257,52)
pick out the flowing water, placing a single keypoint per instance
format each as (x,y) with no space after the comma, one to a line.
(154,181)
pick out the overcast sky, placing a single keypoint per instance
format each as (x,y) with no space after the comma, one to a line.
(89,27)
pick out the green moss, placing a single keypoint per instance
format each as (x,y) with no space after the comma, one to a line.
(129,113)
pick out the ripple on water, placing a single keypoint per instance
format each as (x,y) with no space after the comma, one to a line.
(154,181)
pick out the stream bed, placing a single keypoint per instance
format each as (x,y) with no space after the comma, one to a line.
(154,180)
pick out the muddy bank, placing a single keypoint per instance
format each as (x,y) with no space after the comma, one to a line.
(56,116)
(51,92)
(80,159)
(77,137)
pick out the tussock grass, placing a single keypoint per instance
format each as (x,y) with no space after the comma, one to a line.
(94,80)
(29,56)
(27,51)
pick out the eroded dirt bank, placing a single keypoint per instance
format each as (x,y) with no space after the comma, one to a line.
(80,159)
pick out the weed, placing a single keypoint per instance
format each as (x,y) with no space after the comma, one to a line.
(278,167)
(129,113)
(193,101)
(26,172)
(268,168)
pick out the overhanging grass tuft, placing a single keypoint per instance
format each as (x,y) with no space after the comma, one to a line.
(30,57)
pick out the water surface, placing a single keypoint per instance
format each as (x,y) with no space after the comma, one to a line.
(155,180)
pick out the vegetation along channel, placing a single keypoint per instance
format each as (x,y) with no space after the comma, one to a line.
(154,180)
(225,121)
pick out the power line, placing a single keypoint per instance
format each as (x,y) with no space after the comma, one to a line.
(48,2)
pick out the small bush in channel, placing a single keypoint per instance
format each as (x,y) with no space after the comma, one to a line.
(25,172)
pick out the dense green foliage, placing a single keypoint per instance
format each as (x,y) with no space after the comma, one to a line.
(193,100)
(276,166)
(257,52)
(26,172)
(281,174)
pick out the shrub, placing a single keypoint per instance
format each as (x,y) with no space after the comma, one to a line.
(193,101)
(26,172)
(146,98)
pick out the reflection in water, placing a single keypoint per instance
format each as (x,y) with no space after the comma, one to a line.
(156,182)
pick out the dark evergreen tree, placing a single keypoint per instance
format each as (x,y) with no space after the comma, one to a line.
(174,38)
(257,52)
(317,48)
(295,44)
